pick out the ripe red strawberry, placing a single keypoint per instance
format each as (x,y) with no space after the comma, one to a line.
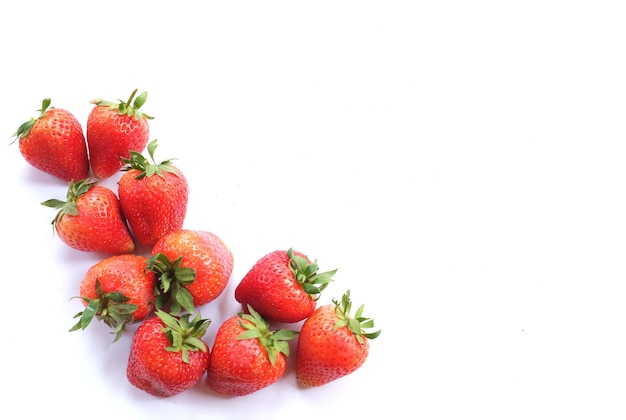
(247,356)
(54,143)
(113,130)
(118,290)
(332,343)
(193,268)
(153,196)
(168,355)
(283,286)
(91,219)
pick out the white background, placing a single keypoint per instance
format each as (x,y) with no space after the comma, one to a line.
(460,163)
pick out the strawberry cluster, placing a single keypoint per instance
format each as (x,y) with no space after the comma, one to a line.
(184,269)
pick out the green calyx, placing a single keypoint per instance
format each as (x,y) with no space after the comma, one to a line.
(258,328)
(112,308)
(306,274)
(25,128)
(74,191)
(139,162)
(183,334)
(171,278)
(129,107)
(356,324)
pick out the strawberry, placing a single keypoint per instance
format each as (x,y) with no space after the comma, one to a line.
(113,130)
(118,290)
(283,286)
(332,343)
(91,219)
(167,354)
(247,356)
(54,143)
(153,196)
(193,268)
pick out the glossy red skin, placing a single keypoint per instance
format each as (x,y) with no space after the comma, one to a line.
(56,145)
(99,225)
(111,136)
(157,371)
(154,206)
(206,253)
(125,274)
(272,290)
(241,367)
(324,355)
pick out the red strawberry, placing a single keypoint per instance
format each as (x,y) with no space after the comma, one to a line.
(118,290)
(283,286)
(247,356)
(193,268)
(153,196)
(113,130)
(332,343)
(168,355)
(54,143)
(91,219)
